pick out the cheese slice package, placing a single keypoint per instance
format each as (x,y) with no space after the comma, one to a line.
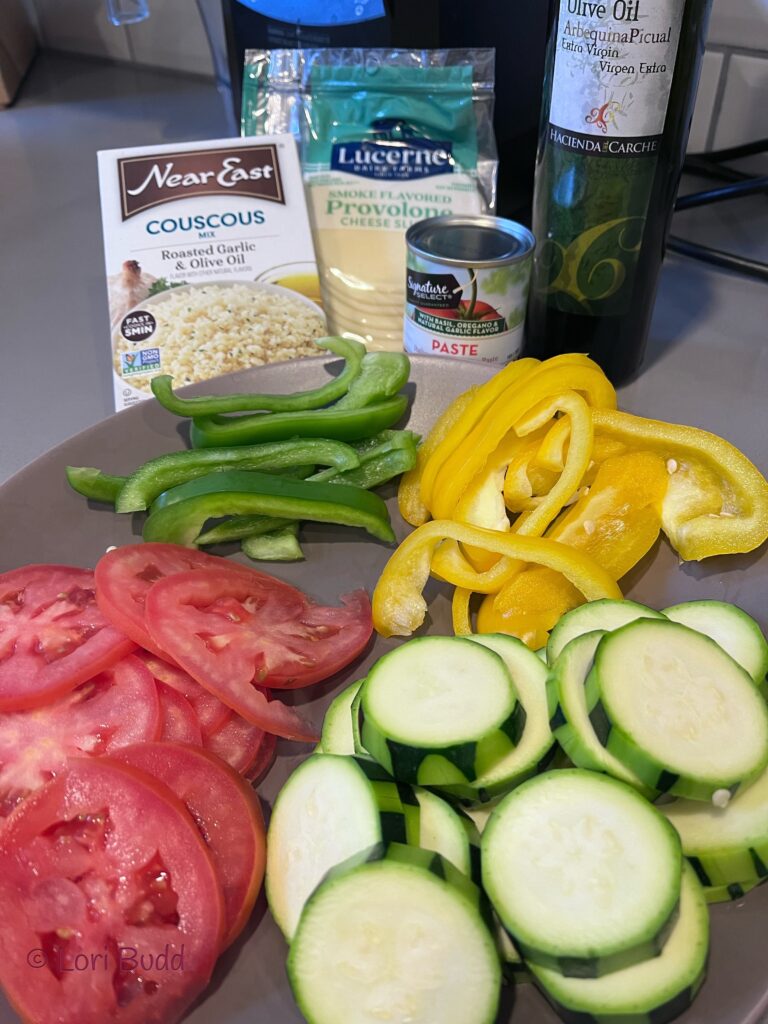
(387,138)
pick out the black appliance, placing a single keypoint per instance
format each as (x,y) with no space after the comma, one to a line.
(516,28)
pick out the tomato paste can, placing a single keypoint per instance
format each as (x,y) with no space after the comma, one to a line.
(466,287)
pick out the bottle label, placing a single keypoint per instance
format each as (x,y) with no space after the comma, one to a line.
(614,62)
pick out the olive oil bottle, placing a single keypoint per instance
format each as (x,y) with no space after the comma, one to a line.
(619,87)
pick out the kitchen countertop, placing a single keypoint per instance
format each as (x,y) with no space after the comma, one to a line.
(707,360)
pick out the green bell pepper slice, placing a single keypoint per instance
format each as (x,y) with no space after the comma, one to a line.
(332,423)
(376,468)
(94,484)
(166,471)
(278,546)
(351,351)
(381,376)
(178,515)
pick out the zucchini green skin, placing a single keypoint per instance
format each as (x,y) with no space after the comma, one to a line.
(570,705)
(657,775)
(536,745)
(728,893)
(725,845)
(652,992)
(607,615)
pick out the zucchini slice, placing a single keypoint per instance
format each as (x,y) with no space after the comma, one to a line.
(570,708)
(536,745)
(728,893)
(651,992)
(439,710)
(677,710)
(583,872)
(337,736)
(399,938)
(726,845)
(730,627)
(606,614)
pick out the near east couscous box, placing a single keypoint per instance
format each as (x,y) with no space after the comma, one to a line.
(209,257)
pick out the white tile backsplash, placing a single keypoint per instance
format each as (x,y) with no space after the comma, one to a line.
(743,115)
(80,27)
(172,37)
(711,69)
(739,23)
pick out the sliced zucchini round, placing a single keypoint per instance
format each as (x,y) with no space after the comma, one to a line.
(728,893)
(607,614)
(570,709)
(677,710)
(337,736)
(394,939)
(536,745)
(582,871)
(448,832)
(656,990)
(727,845)
(730,627)
(439,710)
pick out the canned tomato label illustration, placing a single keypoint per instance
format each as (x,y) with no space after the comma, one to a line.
(466,287)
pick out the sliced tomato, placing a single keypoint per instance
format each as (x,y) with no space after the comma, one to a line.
(245,747)
(117,707)
(112,906)
(211,623)
(52,634)
(210,711)
(179,721)
(125,575)
(227,813)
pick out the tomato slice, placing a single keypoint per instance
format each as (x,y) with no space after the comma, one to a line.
(112,907)
(52,634)
(227,812)
(117,707)
(210,711)
(179,721)
(211,623)
(245,747)
(125,575)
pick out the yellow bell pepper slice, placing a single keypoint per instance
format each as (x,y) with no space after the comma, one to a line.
(460,612)
(616,523)
(542,597)
(399,607)
(471,453)
(412,509)
(717,500)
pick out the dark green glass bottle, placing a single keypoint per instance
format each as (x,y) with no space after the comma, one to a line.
(619,87)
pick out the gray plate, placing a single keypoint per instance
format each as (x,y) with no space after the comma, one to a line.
(42,520)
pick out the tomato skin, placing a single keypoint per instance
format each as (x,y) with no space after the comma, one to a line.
(227,812)
(125,575)
(96,837)
(53,636)
(118,707)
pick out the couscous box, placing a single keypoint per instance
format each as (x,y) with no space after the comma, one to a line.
(209,258)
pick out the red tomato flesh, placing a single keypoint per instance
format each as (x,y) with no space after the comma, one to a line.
(229,633)
(117,707)
(227,813)
(179,721)
(210,711)
(245,747)
(101,873)
(52,634)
